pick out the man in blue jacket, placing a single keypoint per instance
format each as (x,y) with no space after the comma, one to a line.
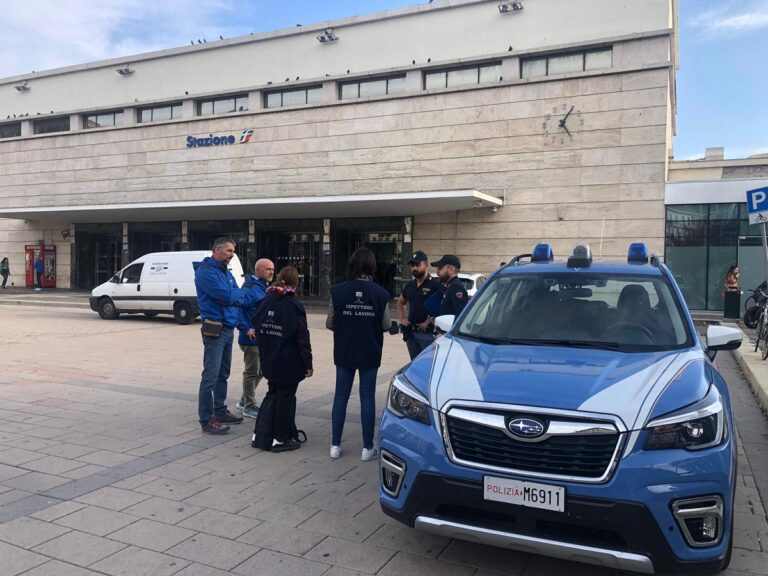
(219,300)
(39,268)
(256,284)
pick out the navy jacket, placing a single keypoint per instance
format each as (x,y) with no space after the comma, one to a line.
(358,317)
(39,266)
(217,293)
(284,348)
(455,297)
(247,315)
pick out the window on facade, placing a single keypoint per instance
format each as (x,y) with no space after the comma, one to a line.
(103,119)
(11,130)
(465,76)
(223,105)
(159,113)
(52,125)
(373,87)
(298,97)
(566,63)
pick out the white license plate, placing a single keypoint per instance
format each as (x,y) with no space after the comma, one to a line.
(529,494)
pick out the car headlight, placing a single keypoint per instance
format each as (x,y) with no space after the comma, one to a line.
(694,428)
(407,402)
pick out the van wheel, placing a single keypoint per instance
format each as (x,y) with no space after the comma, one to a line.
(182,312)
(107,309)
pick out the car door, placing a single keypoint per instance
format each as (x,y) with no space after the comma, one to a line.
(155,284)
(127,294)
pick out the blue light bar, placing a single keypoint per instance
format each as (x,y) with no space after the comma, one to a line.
(638,253)
(542,253)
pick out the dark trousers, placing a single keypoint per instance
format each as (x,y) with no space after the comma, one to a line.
(418,342)
(285,409)
(39,278)
(5,277)
(217,360)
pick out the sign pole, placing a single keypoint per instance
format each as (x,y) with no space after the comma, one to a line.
(765,250)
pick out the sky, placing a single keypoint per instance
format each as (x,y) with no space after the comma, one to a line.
(722,82)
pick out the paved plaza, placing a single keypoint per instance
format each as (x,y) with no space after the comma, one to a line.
(104,470)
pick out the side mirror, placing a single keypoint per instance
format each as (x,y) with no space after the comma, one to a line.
(722,338)
(444,323)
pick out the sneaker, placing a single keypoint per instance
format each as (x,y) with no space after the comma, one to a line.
(251,411)
(215,427)
(369,454)
(38,289)
(228,418)
(335,452)
(239,406)
(285,446)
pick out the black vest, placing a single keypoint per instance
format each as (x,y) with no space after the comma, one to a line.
(358,313)
(276,323)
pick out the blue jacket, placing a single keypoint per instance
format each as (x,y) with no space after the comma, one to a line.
(247,315)
(39,266)
(218,296)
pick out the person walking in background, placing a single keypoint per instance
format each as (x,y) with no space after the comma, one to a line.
(286,360)
(358,315)
(264,271)
(5,271)
(39,269)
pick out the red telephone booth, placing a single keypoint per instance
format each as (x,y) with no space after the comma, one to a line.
(48,254)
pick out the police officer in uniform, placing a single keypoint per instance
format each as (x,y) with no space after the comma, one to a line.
(455,296)
(417,327)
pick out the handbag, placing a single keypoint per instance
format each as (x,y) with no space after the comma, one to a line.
(211,328)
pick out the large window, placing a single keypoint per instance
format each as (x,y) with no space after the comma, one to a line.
(566,63)
(464,76)
(159,113)
(11,130)
(223,105)
(103,119)
(296,97)
(52,125)
(373,87)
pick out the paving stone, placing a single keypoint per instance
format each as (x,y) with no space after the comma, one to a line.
(65,450)
(279,513)
(214,551)
(7,472)
(746,539)
(179,472)
(152,535)
(16,456)
(162,510)
(113,498)
(279,538)
(171,489)
(341,571)
(36,482)
(52,465)
(79,548)
(404,539)
(269,563)
(220,523)
(83,471)
(57,511)
(28,532)
(340,526)
(139,562)
(357,556)
(488,557)
(202,570)
(105,458)
(219,500)
(96,521)
(57,568)
(133,482)
(748,561)
(12,495)
(404,563)
(545,566)
(16,560)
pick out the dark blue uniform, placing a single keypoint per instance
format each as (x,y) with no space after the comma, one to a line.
(455,297)
(416,295)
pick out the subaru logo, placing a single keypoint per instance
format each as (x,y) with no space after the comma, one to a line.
(526,428)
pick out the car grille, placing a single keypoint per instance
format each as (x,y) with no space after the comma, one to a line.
(583,456)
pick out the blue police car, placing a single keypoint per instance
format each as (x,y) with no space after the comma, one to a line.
(571,411)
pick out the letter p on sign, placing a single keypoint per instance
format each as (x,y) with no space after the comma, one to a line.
(757,199)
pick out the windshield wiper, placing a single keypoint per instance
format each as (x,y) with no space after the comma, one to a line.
(581,344)
(487,339)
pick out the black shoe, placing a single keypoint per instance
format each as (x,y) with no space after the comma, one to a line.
(285,446)
(215,427)
(227,417)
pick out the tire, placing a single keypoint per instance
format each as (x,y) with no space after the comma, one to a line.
(764,345)
(182,313)
(759,335)
(107,309)
(150,314)
(751,317)
(748,303)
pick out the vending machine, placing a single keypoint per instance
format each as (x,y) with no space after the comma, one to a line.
(48,254)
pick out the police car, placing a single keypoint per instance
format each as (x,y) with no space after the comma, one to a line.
(571,410)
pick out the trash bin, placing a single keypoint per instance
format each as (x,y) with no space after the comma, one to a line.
(732,305)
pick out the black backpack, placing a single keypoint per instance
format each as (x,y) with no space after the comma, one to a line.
(263,430)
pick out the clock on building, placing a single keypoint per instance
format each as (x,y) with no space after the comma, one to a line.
(562,125)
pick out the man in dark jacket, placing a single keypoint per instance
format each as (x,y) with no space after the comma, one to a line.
(358,315)
(455,296)
(264,271)
(219,300)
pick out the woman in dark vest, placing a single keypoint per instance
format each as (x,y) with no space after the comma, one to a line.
(286,359)
(359,316)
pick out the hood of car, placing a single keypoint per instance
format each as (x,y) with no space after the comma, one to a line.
(575,379)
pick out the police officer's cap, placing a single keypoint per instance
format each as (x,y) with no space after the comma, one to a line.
(418,257)
(448,259)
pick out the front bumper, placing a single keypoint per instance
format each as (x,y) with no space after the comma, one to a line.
(93,301)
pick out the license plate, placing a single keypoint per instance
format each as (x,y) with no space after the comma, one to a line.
(529,494)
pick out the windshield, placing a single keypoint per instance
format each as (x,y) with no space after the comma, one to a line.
(614,311)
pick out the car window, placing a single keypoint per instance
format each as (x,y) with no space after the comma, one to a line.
(480,281)
(132,274)
(633,313)
(468,283)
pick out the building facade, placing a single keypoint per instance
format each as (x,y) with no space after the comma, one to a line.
(461,126)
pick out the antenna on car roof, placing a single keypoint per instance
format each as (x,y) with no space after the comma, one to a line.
(602,233)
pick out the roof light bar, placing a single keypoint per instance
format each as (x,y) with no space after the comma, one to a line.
(542,253)
(581,256)
(638,253)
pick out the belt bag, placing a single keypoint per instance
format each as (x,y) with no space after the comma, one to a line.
(211,328)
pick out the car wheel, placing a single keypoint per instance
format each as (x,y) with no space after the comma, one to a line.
(182,312)
(107,309)
(150,314)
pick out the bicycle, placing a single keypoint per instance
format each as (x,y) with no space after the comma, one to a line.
(761,340)
(752,306)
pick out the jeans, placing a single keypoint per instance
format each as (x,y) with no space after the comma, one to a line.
(344,379)
(251,374)
(38,279)
(217,361)
(5,274)
(418,342)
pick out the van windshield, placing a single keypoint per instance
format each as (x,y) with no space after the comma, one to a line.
(619,311)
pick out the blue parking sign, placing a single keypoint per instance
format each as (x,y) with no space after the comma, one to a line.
(757,205)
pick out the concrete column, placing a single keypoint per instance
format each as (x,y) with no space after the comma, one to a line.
(75,122)
(126,246)
(188,109)
(184,237)
(255,100)
(330,91)
(326,260)
(510,69)
(130,116)
(26,128)
(413,82)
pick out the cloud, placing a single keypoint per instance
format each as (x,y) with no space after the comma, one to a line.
(45,34)
(733,17)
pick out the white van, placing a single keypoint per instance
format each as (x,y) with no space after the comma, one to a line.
(159,283)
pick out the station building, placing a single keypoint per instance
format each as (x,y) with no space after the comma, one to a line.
(473,127)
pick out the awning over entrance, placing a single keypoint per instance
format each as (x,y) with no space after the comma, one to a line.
(400,204)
